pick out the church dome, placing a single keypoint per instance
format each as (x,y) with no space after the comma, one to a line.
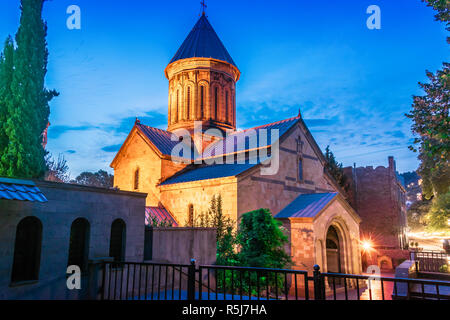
(203,42)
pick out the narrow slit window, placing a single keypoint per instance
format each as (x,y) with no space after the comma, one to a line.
(188,109)
(216,102)
(202,101)
(136,179)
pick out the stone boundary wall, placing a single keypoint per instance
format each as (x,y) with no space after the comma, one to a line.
(180,245)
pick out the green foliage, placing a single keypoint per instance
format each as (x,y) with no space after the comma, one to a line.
(416,215)
(155,223)
(444,269)
(431,122)
(226,239)
(27,112)
(335,169)
(261,240)
(439,215)
(100,179)
(6,74)
(443,9)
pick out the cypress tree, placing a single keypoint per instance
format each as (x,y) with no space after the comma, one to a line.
(6,74)
(29,111)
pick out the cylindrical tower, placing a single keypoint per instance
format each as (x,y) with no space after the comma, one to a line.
(202,82)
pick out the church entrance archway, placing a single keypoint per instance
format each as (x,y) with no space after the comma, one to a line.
(334,252)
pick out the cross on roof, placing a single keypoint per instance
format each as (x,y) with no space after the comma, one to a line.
(204,6)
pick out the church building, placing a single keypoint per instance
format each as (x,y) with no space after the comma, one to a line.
(322,227)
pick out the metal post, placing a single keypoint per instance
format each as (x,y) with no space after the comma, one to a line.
(317,283)
(191,281)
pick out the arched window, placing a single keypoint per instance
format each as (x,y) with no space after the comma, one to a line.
(188,105)
(216,103)
(136,179)
(79,244)
(202,102)
(178,106)
(117,241)
(226,108)
(27,250)
(191,215)
(300,169)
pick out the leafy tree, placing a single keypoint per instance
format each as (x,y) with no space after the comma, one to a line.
(439,215)
(100,179)
(57,170)
(443,9)
(335,169)
(6,75)
(226,239)
(261,240)
(431,122)
(416,215)
(28,109)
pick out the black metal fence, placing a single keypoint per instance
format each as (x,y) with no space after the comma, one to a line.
(241,283)
(155,281)
(429,261)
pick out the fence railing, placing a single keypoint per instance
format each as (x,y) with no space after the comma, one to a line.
(429,261)
(241,283)
(157,281)
(337,286)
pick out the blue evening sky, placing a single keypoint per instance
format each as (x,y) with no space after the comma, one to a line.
(353,85)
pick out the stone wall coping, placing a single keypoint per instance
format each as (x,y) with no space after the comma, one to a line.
(185,229)
(77,187)
(101,260)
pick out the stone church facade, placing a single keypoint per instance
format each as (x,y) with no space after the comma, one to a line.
(323,228)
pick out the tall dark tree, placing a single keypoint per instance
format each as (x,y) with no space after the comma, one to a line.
(335,169)
(28,110)
(431,122)
(6,75)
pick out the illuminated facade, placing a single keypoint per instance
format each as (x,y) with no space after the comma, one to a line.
(202,90)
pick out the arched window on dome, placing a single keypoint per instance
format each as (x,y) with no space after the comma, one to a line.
(177,105)
(202,102)
(188,103)
(216,103)
(227,107)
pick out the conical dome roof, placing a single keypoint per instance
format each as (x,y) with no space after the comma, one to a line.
(203,42)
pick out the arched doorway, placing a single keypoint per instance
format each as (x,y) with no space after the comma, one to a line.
(333,247)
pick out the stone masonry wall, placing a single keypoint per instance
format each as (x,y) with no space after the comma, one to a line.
(65,204)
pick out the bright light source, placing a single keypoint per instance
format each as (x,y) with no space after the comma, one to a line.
(366,245)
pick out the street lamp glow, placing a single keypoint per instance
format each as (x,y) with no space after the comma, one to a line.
(367,245)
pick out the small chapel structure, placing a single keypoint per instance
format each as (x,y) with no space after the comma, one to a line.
(323,228)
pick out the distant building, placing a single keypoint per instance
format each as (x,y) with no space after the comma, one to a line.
(379,197)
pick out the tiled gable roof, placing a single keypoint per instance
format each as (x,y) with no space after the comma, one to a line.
(241,140)
(22,190)
(307,205)
(159,214)
(162,140)
(206,172)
